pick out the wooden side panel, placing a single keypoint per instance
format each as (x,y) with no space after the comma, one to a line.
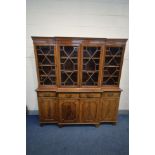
(48,108)
(69,110)
(89,110)
(109,109)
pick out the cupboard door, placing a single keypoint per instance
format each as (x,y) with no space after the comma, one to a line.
(69,65)
(109,109)
(112,65)
(89,110)
(48,108)
(46,65)
(90,67)
(69,110)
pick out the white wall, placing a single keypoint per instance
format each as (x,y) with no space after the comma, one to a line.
(75,18)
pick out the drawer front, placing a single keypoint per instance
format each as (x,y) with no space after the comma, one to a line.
(47,94)
(68,95)
(90,95)
(111,94)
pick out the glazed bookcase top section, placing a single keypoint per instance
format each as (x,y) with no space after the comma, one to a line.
(73,62)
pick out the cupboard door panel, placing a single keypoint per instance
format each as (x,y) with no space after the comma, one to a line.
(109,109)
(48,109)
(89,110)
(69,110)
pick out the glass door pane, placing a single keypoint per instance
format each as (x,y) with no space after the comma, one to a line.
(112,65)
(46,65)
(90,71)
(69,65)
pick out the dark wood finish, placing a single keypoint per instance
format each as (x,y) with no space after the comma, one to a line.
(78,79)
(69,110)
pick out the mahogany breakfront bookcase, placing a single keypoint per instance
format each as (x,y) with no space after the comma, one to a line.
(78,79)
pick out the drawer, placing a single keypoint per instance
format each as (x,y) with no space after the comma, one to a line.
(47,94)
(90,95)
(111,94)
(68,95)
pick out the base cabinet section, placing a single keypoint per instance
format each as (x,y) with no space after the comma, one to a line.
(89,110)
(69,110)
(109,109)
(48,108)
(75,108)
